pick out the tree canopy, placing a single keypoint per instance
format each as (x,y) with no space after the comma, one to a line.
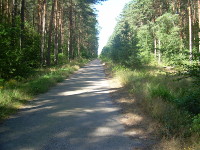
(163,31)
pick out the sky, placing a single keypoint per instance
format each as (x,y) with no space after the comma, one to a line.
(107,14)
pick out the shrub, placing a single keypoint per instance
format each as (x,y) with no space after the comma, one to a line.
(17,61)
(196,124)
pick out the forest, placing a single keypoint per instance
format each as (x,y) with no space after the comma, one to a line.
(42,42)
(163,31)
(43,33)
(155,52)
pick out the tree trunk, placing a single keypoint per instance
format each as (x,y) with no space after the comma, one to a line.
(155,48)
(22,23)
(33,18)
(50,35)
(199,23)
(7,11)
(43,31)
(61,35)
(70,36)
(14,12)
(1,4)
(1,10)
(39,23)
(79,45)
(61,29)
(190,31)
(159,52)
(22,14)
(56,34)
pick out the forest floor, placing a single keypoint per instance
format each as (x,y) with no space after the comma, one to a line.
(78,114)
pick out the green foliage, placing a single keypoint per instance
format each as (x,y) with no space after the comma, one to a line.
(196,124)
(157,32)
(165,99)
(133,44)
(191,102)
(145,44)
(62,58)
(167,31)
(17,62)
(161,92)
(122,46)
(26,43)
(139,27)
(106,52)
(192,71)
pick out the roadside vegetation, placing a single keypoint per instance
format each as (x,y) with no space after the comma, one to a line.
(41,43)
(15,93)
(171,102)
(154,52)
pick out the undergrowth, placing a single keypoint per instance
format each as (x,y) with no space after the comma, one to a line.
(174,103)
(14,94)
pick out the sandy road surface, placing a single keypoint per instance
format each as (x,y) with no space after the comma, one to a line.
(77,114)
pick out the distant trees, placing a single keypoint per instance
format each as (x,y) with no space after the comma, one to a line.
(164,31)
(43,33)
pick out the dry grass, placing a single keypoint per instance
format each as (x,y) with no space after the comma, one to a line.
(137,124)
(150,92)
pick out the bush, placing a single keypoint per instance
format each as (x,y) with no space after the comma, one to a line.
(196,124)
(192,71)
(17,61)
(190,102)
(62,58)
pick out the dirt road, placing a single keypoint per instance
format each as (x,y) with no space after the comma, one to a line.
(77,114)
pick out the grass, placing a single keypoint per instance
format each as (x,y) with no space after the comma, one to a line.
(175,104)
(15,94)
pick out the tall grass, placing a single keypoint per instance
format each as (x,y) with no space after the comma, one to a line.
(14,94)
(175,104)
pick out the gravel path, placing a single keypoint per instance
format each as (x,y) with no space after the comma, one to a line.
(77,114)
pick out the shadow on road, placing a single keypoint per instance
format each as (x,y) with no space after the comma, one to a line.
(78,114)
